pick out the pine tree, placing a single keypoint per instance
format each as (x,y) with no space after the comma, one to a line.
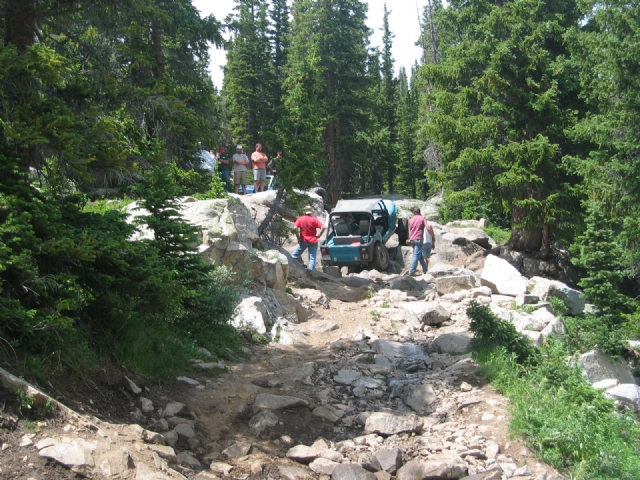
(279,35)
(248,88)
(389,101)
(502,103)
(409,168)
(334,34)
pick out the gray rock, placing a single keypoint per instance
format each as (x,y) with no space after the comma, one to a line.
(390,459)
(369,462)
(474,235)
(172,409)
(382,361)
(598,366)
(185,430)
(168,453)
(347,377)
(429,313)
(323,466)
(502,277)
(606,384)
(146,405)
(455,343)
(385,423)
(237,450)
(204,352)
(211,365)
(325,414)
(453,284)
(70,453)
(266,401)
(262,421)
(188,460)
(546,289)
(136,390)
(351,471)
(291,472)
(526,299)
(368,382)
(303,454)
(419,397)
(394,350)
(189,381)
(171,438)
(175,421)
(145,472)
(221,468)
(555,327)
(252,312)
(627,394)
(438,466)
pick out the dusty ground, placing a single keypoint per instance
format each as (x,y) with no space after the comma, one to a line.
(222,408)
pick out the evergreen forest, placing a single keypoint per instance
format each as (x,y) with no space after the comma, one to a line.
(523,112)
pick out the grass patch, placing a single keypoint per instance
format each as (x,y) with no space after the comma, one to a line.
(500,235)
(567,422)
(103,206)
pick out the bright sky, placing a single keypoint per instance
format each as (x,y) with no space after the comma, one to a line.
(403,22)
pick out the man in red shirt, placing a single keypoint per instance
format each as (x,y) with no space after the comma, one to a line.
(260,161)
(307,235)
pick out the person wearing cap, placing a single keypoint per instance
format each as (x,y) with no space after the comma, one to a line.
(260,161)
(307,234)
(223,166)
(240,162)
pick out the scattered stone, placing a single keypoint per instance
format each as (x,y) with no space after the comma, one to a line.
(185,430)
(627,394)
(398,350)
(175,421)
(492,450)
(453,284)
(211,365)
(171,437)
(291,472)
(204,352)
(263,420)
(302,453)
(385,423)
(237,450)
(25,441)
(188,460)
(347,377)
(419,397)
(136,390)
(172,409)
(323,466)
(221,468)
(465,387)
(159,425)
(189,381)
(70,453)
(369,462)
(546,289)
(146,405)
(437,466)
(454,343)
(266,401)
(351,471)
(390,459)
(382,475)
(325,414)
(523,471)
(474,453)
(168,453)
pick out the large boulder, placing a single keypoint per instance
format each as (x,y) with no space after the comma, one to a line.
(502,277)
(251,312)
(599,366)
(628,394)
(275,269)
(475,235)
(429,313)
(453,343)
(546,289)
(437,466)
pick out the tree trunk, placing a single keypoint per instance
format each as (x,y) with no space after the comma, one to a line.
(155,37)
(20,24)
(272,211)
(524,240)
(546,242)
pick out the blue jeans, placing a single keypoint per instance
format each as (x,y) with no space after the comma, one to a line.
(224,176)
(417,257)
(313,250)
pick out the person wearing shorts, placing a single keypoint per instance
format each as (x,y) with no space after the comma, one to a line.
(240,162)
(260,161)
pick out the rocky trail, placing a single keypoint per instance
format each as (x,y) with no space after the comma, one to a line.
(367,376)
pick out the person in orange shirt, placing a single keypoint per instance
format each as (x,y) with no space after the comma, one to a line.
(260,161)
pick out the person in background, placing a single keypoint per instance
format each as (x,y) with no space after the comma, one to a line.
(272,166)
(417,225)
(260,161)
(223,167)
(240,162)
(307,234)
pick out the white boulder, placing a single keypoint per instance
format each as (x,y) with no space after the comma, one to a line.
(502,277)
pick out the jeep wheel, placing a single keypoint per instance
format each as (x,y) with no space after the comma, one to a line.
(380,258)
(403,231)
